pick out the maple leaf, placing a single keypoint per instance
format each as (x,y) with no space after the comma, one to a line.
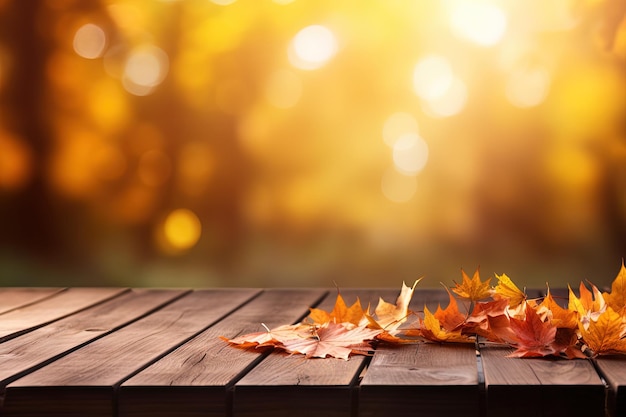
(341,313)
(508,290)
(616,299)
(489,319)
(390,316)
(431,329)
(473,289)
(333,339)
(450,318)
(534,336)
(558,316)
(566,342)
(271,337)
(605,335)
(589,306)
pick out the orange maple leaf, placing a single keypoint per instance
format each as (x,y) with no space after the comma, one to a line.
(589,306)
(616,299)
(333,339)
(508,290)
(450,318)
(558,316)
(534,336)
(431,329)
(489,319)
(473,289)
(341,313)
(605,336)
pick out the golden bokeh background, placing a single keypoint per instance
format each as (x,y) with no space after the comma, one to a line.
(300,142)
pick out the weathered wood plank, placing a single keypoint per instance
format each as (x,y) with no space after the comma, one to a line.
(291,385)
(194,380)
(613,368)
(554,387)
(29,351)
(84,382)
(12,298)
(60,305)
(422,378)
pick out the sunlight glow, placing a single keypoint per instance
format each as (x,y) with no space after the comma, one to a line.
(481,23)
(145,68)
(432,77)
(182,229)
(90,41)
(410,154)
(312,47)
(450,103)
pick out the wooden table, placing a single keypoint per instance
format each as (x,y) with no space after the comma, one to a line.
(156,352)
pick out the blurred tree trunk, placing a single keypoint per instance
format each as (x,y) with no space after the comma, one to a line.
(26,215)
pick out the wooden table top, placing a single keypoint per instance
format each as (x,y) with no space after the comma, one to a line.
(156,352)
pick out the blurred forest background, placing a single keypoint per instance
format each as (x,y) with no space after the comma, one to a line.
(301,142)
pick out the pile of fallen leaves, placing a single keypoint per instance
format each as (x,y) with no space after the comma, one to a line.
(594,323)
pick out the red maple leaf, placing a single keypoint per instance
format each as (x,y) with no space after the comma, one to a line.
(534,336)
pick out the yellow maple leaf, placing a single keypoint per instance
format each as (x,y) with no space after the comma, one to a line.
(508,290)
(616,299)
(604,336)
(473,289)
(431,329)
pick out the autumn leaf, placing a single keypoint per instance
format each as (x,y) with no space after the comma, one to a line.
(558,316)
(341,313)
(616,299)
(566,343)
(431,329)
(489,319)
(473,289)
(589,306)
(508,290)
(604,336)
(333,339)
(534,336)
(450,318)
(390,316)
(271,337)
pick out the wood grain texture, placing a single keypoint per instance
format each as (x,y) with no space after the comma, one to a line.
(194,379)
(556,387)
(24,353)
(87,378)
(290,385)
(613,368)
(12,298)
(423,377)
(61,304)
